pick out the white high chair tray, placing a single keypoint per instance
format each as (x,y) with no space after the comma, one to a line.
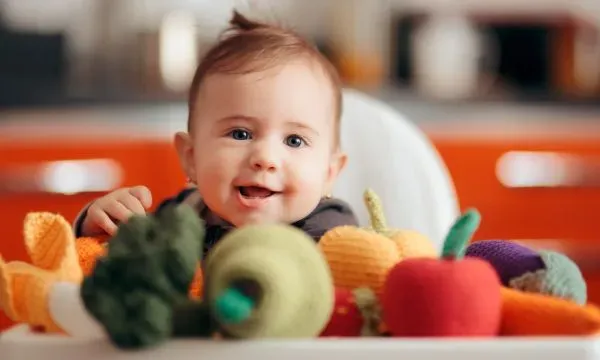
(19,343)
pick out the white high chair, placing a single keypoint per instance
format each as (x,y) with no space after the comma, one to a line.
(393,157)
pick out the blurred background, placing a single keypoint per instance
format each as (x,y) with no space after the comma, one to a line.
(508,91)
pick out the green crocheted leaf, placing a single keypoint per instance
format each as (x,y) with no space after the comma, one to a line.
(460,234)
(148,269)
(563,277)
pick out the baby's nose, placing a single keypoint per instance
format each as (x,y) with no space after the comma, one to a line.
(264,164)
(264,158)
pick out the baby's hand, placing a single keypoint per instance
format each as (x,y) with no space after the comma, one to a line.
(104,214)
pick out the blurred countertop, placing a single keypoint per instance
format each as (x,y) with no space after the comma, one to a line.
(159,118)
(528,108)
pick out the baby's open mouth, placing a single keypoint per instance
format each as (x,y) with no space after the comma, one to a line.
(255,192)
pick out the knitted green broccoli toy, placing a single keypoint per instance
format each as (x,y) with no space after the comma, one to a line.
(138,288)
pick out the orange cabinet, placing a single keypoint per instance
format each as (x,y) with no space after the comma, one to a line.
(540,181)
(30,170)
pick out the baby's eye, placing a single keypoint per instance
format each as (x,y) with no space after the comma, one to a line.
(294,141)
(240,134)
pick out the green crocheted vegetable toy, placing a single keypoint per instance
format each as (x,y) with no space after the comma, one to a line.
(269,281)
(135,290)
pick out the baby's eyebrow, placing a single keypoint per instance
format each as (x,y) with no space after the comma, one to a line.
(237,117)
(299,125)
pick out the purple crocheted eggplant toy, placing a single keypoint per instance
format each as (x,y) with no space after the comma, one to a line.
(525,269)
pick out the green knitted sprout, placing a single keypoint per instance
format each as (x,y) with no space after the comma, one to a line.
(459,235)
(146,274)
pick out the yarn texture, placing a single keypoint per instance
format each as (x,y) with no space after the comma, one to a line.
(510,259)
(145,274)
(284,274)
(25,287)
(545,272)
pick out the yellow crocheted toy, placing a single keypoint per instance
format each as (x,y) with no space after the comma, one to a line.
(25,287)
(361,257)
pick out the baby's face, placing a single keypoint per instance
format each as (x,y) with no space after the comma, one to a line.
(262,147)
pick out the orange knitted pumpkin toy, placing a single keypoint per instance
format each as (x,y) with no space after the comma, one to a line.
(362,257)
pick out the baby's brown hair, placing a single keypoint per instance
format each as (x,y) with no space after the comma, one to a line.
(248,46)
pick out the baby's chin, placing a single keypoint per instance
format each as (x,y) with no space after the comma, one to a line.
(263,218)
(259,219)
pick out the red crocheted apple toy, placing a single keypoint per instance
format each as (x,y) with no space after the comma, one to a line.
(346,319)
(451,296)
(356,313)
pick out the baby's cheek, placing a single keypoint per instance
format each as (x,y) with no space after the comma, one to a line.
(309,176)
(308,191)
(215,162)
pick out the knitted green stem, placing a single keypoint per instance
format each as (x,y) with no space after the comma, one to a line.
(233,307)
(376,216)
(370,309)
(460,234)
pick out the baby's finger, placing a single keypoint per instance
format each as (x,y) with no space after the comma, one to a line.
(143,194)
(133,204)
(118,211)
(101,220)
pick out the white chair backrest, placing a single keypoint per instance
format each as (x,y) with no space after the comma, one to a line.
(393,157)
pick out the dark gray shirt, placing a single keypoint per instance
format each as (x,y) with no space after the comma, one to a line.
(329,213)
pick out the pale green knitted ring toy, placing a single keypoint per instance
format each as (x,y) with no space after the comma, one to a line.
(269,281)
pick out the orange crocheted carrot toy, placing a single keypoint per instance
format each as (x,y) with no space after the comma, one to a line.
(532,314)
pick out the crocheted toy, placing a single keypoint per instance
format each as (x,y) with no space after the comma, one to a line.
(522,268)
(362,257)
(533,314)
(268,281)
(356,313)
(136,287)
(26,289)
(451,296)
(89,250)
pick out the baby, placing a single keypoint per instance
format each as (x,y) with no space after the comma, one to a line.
(262,144)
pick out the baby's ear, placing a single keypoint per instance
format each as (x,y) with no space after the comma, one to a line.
(185,151)
(337,164)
